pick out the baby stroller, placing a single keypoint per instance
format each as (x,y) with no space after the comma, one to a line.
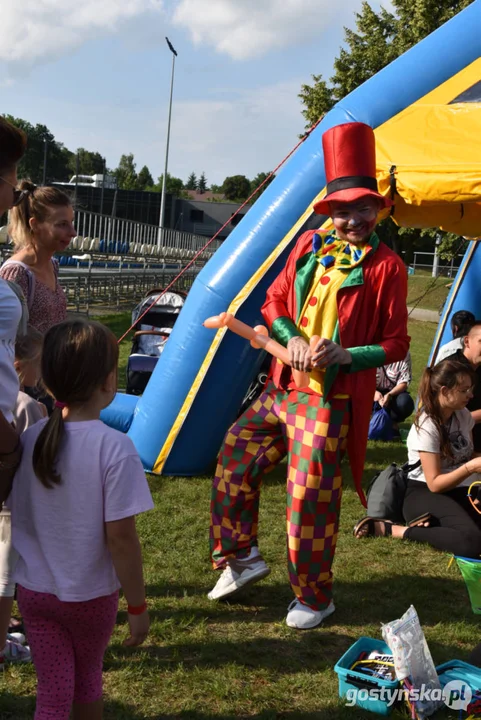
(152,332)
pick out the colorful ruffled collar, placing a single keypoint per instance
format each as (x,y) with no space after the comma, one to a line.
(333,252)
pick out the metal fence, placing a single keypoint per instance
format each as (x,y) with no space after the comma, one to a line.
(95,292)
(128,232)
(114,263)
(426,261)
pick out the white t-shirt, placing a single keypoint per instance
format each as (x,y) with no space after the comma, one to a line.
(27,412)
(10,314)
(449,349)
(59,533)
(426,439)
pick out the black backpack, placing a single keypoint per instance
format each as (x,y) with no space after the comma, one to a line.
(386,491)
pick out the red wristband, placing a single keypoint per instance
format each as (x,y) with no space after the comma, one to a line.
(137,610)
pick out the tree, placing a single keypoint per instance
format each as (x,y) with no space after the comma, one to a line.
(174,186)
(125,173)
(380,38)
(258,180)
(236,188)
(216,189)
(202,183)
(89,163)
(31,165)
(144,179)
(191,182)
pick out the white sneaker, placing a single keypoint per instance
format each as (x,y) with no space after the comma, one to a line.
(17,637)
(303,617)
(13,652)
(238,574)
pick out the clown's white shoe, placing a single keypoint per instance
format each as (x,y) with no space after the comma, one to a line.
(303,617)
(237,575)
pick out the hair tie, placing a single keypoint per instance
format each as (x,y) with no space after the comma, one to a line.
(60,405)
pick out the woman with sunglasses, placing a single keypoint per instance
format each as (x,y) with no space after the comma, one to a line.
(41,224)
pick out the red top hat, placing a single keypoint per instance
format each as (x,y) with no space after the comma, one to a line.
(350,164)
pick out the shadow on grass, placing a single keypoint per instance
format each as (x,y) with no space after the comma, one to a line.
(283,656)
(118,711)
(358,603)
(14,707)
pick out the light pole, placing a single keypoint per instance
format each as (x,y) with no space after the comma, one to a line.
(164,182)
(44,176)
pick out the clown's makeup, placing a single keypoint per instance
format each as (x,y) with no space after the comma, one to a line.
(354,222)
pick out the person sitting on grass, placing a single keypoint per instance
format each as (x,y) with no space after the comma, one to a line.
(461,323)
(442,467)
(392,382)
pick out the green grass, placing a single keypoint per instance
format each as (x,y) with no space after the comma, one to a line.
(232,660)
(427,292)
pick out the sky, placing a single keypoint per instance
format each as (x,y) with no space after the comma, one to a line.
(97,73)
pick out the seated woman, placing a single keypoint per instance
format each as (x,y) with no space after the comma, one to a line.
(442,467)
(392,382)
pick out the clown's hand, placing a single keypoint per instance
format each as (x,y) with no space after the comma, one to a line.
(300,354)
(328,353)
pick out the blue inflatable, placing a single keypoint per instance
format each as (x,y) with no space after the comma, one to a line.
(202,376)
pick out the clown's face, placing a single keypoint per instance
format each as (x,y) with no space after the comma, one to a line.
(355,221)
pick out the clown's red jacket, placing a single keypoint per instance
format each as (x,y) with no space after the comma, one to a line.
(372,325)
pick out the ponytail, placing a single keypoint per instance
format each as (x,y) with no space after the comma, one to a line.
(77,358)
(46,450)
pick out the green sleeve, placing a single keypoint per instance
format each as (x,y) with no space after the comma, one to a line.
(365,357)
(283,329)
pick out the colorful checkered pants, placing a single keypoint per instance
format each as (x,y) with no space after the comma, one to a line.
(312,432)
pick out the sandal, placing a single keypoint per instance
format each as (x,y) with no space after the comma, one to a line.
(420,520)
(370,522)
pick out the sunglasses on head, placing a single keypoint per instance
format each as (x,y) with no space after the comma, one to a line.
(18,195)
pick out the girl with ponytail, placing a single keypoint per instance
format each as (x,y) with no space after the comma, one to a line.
(73,504)
(442,467)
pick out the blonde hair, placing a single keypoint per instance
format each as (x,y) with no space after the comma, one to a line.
(36,203)
(77,358)
(28,348)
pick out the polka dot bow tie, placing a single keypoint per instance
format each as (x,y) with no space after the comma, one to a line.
(332,251)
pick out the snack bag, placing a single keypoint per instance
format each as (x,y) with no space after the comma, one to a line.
(412,660)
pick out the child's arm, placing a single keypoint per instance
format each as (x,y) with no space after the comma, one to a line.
(124,546)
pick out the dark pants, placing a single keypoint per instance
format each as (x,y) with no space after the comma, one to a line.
(400,407)
(456,526)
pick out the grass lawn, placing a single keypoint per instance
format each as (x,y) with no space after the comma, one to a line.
(238,659)
(427,292)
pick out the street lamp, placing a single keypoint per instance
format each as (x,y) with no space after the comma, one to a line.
(44,176)
(164,183)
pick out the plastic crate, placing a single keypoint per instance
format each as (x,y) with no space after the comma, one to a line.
(352,680)
(462,673)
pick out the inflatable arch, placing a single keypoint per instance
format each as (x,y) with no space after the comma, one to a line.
(425,108)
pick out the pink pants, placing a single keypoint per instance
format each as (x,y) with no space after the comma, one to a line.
(68,641)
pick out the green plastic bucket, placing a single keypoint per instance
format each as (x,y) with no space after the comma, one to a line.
(471,572)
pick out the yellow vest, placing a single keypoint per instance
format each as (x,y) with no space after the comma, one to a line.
(319,314)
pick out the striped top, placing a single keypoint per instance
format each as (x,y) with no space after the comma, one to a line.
(388,376)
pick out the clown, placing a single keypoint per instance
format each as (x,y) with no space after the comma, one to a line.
(350,290)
